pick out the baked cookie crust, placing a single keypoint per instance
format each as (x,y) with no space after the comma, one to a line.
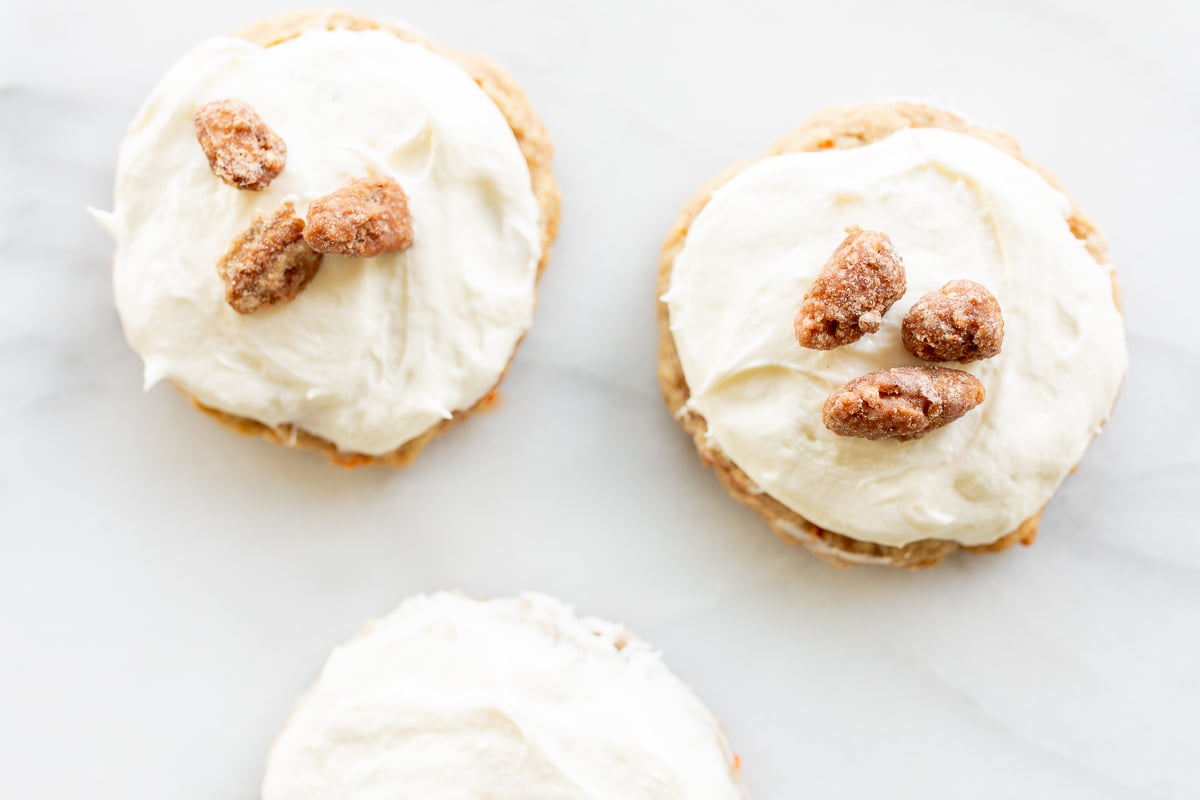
(535,145)
(832,129)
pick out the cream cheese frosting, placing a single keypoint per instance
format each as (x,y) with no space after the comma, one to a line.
(514,699)
(374,351)
(955,207)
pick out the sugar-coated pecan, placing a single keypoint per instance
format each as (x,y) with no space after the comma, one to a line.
(856,287)
(959,322)
(241,149)
(269,262)
(366,217)
(901,403)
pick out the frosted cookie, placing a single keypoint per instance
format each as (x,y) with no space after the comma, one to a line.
(329,233)
(516,698)
(892,337)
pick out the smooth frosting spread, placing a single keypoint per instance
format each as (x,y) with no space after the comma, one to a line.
(374,351)
(517,699)
(955,207)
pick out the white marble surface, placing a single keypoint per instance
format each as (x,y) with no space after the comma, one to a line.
(168,588)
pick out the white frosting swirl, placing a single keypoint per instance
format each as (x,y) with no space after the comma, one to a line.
(955,207)
(375,351)
(505,699)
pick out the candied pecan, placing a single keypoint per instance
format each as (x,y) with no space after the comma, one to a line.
(901,403)
(855,288)
(366,217)
(269,262)
(959,322)
(241,149)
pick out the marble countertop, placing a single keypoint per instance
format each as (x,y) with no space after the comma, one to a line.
(169,588)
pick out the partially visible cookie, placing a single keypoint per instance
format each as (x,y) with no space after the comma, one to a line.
(734,377)
(513,698)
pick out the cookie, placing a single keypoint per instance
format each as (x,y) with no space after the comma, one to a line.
(424,212)
(453,697)
(958,202)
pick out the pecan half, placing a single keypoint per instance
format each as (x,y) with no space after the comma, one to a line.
(853,291)
(366,217)
(959,322)
(901,403)
(269,262)
(241,149)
